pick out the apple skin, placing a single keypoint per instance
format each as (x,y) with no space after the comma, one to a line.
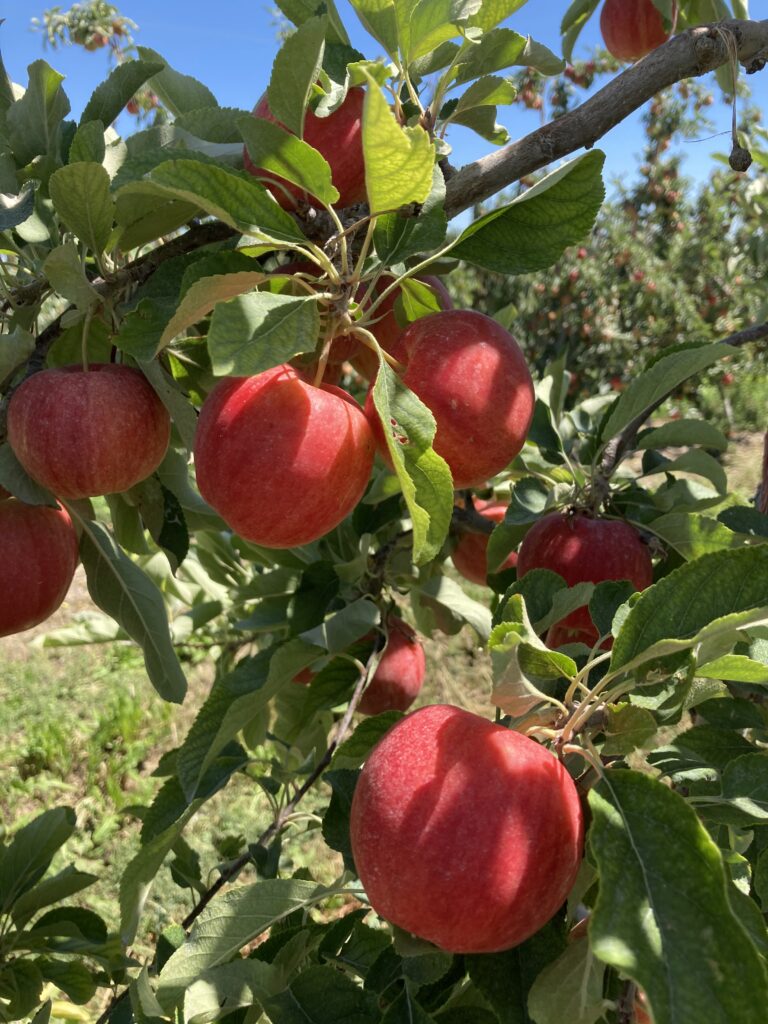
(82,433)
(281,461)
(583,548)
(473,376)
(400,673)
(632,28)
(338,138)
(38,553)
(470,554)
(463,832)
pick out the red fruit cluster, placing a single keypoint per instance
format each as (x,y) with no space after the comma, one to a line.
(463,832)
(584,548)
(632,28)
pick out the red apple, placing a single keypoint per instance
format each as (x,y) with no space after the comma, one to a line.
(338,138)
(469,555)
(585,548)
(281,461)
(400,673)
(38,554)
(632,28)
(463,832)
(473,376)
(83,433)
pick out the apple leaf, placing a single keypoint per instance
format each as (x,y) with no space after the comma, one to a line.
(29,854)
(692,534)
(488,91)
(493,12)
(120,588)
(378,18)
(440,603)
(678,433)
(574,19)
(143,218)
(569,989)
(627,727)
(498,49)
(178,92)
(255,332)
(14,478)
(322,995)
(541,58)
(201,297)
(398,161)
(342,628)
(80,193)
(294,73)
(109,98)
(220,991)
(528,501)
(16,348)
(66,275)
(686,949)
(33,123)
(299,11)
(663,374)
(274,149)
(533,231)
(212,124)
(709,598)
(232,196)
(183,413)
(89,144)
(734,668)
(422,25)
(235,919)
(409,429)
(15,209)
(397,237)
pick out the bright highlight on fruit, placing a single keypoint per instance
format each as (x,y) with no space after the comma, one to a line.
(282,461)
(463,832)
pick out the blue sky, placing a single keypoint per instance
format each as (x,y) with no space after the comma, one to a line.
(230,46)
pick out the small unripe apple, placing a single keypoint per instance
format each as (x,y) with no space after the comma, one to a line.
(282,461)
(38,555)
(471,373)
(470,554)
(82,433)
(338,138)
(463,832)
(632,28)
(400,673)
(584,548)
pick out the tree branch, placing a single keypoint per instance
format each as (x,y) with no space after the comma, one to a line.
(687,55)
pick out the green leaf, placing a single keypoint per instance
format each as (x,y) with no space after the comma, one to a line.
(354,750)
(493,12)
(693,534)
(66,274)
(528,501)
(178,92)
(677,433)
(405,1010)
(14,479)
(607,598)
(120,588)
(15,349)
(15,209)
(274,149)
(255,332)
(409,429)
(183,413)
(569,989)
(697,462)
(298,11)
(21,986)
(424,24)
(224,989)
(201,297)
(398,161)
(397,237)
(498,49)
(80,193)
(72,977)
(663,375)
(34,122)
(232,196)
(627,727)
(340,630)
(88,145)
(321,995)
(336,818)
(213,124)
(66,883)
(440,603)
(109,98)
(533,231)
(745,788)
(662,916)
(713,595)
(29,854)
(294,73)
(378,18)
(537,56)
(573,21)
(234,919)
(734,668)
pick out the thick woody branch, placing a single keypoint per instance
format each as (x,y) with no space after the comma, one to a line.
(687,55)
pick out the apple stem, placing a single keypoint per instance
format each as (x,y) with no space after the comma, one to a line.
(84,347)
(368,339)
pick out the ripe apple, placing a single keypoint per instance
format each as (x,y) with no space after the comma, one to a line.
(338,138)
(280,460)
(473,376)
(463,832)
(584,548)
(632,28)
(400,673)
(81,433)
(469,555)
(38,553)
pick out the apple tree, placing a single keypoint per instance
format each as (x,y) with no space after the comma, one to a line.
(235,386)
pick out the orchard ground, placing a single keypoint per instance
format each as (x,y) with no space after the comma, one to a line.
(82,726)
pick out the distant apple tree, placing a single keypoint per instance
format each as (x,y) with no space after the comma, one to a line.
(236,389)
